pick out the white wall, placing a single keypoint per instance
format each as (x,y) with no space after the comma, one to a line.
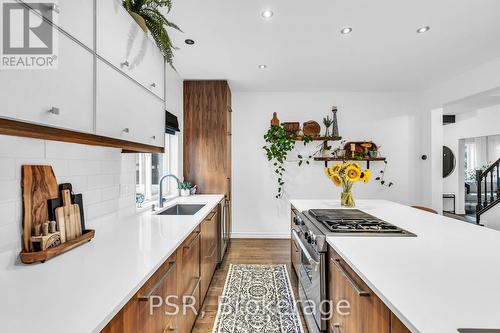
(483,122)
(104,176)
(387,119)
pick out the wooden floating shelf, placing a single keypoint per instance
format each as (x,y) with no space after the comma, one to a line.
(19,128)
(341,159)
(42,256)
(322,138)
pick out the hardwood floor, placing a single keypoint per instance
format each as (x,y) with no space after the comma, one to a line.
(244,251)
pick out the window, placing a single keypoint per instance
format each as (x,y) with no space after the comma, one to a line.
(151,167)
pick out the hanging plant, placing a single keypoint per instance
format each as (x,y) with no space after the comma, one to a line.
(278,145)
(381,178)
(149,17)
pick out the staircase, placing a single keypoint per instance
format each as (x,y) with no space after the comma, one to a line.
(488,189)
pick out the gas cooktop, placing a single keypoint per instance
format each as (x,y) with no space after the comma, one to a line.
(353,222)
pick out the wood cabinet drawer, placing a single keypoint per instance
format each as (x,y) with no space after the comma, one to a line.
(163,284)
(209,246)
(189,280)
(126,111)
(125,45)
(28,95)
(397,326)
(366,312)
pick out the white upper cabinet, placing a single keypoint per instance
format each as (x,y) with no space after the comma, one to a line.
(61,97)
(127,111)
(76,17)
(124,44)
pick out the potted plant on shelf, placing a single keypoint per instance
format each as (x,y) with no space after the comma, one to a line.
(373,152)
(345,175)
(148,16)
(185,188)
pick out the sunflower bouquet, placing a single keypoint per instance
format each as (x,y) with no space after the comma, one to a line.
(345,175)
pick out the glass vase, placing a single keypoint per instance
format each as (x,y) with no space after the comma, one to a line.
(346,197)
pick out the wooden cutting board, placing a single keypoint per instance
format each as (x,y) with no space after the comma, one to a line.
(38,184)
(69,216)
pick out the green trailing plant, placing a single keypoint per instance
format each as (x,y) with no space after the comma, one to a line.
(154,20)
(278,145)
(381,177)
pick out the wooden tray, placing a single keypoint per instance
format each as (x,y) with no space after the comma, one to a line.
(42,256)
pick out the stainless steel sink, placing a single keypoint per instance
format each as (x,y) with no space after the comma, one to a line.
(181,209)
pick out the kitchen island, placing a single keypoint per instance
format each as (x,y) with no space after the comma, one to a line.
(445,278)
(82,290)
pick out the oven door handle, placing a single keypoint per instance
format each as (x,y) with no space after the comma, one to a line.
(296,239)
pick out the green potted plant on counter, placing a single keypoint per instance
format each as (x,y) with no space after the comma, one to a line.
(185,188)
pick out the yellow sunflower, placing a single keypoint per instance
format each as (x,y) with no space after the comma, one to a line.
(335,169)
(328,172)
(365,176)
(352,173)
(336,180)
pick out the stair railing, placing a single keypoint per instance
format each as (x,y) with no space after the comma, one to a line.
(487,195)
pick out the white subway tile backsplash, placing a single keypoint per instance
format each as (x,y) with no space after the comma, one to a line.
(101,174)
(110,167)
(91,196)
(7,168)
(10,236)
(110,193)
(8,213)
(104,153)
(100,181)
(12,146)
(10,190)
(79,168)
(101,208)
(66,151)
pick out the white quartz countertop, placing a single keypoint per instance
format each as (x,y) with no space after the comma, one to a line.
(81,290)
(448,277)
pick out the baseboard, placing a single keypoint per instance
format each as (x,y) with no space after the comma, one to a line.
(260,235)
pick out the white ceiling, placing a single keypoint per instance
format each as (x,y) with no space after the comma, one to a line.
(474,103)
(304,50)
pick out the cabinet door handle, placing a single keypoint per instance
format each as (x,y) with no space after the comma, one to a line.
(54,110)
(354,285)
(211,216)
(53,7)
(196,285)
(126,130)
(157,284)
(336,328)
(170,329)
(125,64)
(153,85)
(153,137)
(190,245)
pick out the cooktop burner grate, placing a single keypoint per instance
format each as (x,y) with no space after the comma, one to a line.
(353,221)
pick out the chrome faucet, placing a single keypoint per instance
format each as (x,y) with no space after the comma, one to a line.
(160,194)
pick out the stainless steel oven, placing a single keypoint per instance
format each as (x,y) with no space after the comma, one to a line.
(309,264)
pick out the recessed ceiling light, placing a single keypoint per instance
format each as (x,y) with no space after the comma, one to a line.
(262,66)
(267,14)
(189,41)
(423,29)
(346,30)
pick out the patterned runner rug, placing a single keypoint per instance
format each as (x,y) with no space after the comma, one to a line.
(257,298)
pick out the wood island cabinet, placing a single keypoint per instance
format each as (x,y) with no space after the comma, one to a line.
(366,312)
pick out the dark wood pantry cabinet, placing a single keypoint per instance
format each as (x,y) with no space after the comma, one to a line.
(207,137)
